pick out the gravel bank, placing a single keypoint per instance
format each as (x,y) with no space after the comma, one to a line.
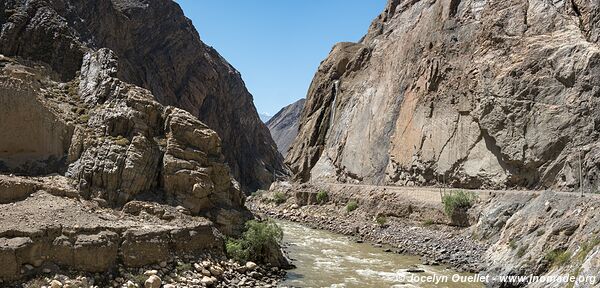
(435,243)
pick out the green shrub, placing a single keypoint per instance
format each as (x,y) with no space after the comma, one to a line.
(255,242)
(522,250)
(458,200)
(279,198)
(84,118)
(381,220)
(586,248)
(351,206)
(513,244)
(428,222)
(122,141)
(322,197)
(558,257)
(184,267)
(139,279)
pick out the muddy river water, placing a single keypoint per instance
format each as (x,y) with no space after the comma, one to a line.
(324,259)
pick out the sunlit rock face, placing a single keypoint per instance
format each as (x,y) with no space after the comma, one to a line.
(284,125)
(472,93)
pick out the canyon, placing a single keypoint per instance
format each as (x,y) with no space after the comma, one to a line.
(132,154)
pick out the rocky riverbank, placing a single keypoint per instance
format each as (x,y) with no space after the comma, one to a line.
(505,233)
(413,229)
(189,271)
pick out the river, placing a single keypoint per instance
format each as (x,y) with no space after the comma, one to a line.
(325,259)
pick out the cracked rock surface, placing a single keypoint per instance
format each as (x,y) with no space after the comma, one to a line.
(483,94)
(116,147)
(159,50)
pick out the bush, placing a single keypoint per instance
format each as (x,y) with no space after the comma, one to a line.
(322,197)
(558,257)
(586,248)
(381,220)
(352,205)
(428,222)
(522,250)
(512,244)
(458,200)
(279,198)
(256,242)
(83,118)
(184,267)
(122,141)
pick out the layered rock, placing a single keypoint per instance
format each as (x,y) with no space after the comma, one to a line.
(46,231)
(165,57)
(284,125)
(550,234)
(471,93)
(124,144)
(117,145)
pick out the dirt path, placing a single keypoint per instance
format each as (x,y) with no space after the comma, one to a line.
(432,195)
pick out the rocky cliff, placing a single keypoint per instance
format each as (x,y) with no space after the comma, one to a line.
(164,56)
(475,93)
(113,140)
(284,125)
(116,147)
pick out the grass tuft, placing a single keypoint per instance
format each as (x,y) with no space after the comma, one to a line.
(351,206)
(322,197)
(279,198)
(558,257)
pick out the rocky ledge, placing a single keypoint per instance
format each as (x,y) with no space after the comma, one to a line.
(49,234)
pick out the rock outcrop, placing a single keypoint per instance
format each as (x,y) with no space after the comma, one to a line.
(284,125)
(472,93)
(45,231)
(165,57)
(116,145)
(550,234)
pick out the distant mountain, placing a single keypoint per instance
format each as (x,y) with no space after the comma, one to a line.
(265,117)
(284,125)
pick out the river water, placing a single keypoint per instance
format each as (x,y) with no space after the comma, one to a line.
(325,259)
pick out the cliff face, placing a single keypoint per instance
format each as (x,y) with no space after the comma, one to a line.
(284,125)
(114,141)
(479,93)
(165,57)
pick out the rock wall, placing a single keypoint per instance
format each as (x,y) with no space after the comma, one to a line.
(166,57)
(549,234)
(34,140)
(477,94)
(284,125)
(116,142)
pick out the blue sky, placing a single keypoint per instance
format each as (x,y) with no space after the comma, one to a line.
(277,45)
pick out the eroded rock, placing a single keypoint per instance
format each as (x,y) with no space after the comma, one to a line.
(470,94)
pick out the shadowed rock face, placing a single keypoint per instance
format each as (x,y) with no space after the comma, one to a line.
(482,93)
(114,141)
(284,125)
(158,49)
